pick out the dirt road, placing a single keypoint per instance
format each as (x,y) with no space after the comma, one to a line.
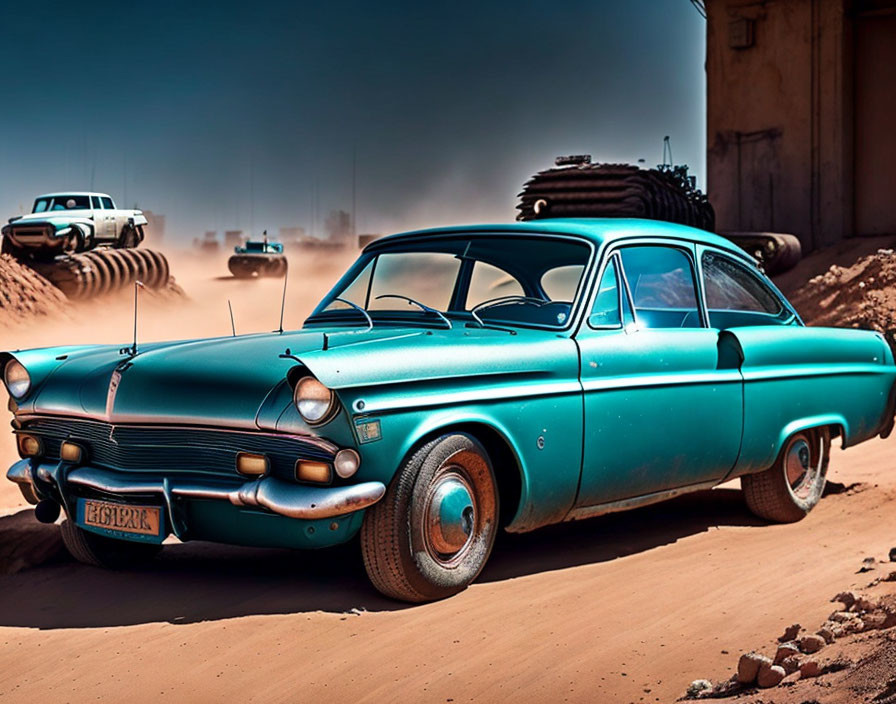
(623,608)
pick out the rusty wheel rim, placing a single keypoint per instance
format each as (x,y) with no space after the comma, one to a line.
(451,516)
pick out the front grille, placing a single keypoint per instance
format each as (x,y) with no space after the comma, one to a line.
(156,448)
(30,233)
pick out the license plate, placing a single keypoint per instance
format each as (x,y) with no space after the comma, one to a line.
(121,518)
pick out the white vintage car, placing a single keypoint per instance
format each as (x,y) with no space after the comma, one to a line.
(63,223)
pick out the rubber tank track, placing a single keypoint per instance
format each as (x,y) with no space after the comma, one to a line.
(102,271)
(626,191)
(245,266)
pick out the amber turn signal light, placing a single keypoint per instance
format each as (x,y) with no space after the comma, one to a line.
(309,471)
(71,452)
(251,465)
(29,446)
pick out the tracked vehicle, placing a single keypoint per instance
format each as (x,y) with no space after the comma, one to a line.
(84,245)
(258,258)
(576,188)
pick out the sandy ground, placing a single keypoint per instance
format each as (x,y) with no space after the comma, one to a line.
(630,607)
(624,608)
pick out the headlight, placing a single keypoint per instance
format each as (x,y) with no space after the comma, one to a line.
(16,378)
(316,403)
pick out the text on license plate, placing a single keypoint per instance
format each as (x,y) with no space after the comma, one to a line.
(122,517)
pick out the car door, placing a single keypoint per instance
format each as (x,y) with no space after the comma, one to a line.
(794,377)
(115,219)
(100,218)
(662,391)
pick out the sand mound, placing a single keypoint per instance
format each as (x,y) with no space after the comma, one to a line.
(25,294)
(859,296)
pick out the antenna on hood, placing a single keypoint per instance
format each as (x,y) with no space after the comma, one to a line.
(283,301)
(132,351)
(232,324)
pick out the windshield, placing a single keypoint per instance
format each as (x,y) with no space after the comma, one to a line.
(42,205)
(527,281)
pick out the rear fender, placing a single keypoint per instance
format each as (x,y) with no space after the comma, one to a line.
(832,420)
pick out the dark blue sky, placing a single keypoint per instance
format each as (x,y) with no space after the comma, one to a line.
(191,108)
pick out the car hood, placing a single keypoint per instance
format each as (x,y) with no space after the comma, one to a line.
(240,381)
(61,215)
(58,218)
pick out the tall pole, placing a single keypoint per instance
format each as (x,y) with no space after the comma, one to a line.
(353,228)
(251,193)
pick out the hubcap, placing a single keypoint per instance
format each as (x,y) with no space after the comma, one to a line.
(797,464)
(451,515)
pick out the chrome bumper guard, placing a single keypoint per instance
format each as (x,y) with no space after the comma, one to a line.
(275,495)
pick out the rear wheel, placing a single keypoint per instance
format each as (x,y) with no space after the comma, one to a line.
(791,487)
(99,551)
(432,533)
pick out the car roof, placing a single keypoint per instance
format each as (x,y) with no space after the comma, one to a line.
(600,231)
(73,193)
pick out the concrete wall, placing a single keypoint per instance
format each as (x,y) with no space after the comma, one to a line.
(781,83)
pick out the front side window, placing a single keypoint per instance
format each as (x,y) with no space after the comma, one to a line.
(97,205)
(736,296)
(108,204)
(41,205)
(662,285)
(495,279)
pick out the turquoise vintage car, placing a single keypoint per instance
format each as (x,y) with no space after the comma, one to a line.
(454,382)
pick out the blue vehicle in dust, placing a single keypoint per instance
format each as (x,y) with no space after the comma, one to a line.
(258,258)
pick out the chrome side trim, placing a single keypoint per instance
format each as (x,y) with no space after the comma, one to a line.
(581,512)
(275,495)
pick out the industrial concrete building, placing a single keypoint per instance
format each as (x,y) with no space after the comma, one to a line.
(801,106)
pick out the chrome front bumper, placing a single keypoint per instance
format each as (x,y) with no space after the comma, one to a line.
(275,495)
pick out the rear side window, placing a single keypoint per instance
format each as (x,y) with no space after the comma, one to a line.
(736,296)
(661,281)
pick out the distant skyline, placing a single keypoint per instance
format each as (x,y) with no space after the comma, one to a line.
(235,115)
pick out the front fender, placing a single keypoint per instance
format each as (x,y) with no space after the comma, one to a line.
(543,433)
(40,363)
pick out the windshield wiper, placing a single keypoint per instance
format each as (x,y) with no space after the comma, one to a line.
(491,302)
(359,309)
(422,306)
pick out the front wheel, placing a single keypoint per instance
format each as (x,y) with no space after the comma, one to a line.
(99,551)
(793,485)
(129,238)
(432,533)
